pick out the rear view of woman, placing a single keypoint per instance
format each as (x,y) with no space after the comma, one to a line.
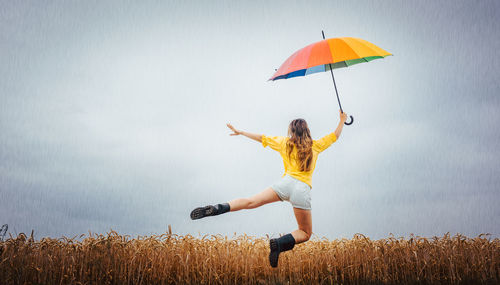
(299,152)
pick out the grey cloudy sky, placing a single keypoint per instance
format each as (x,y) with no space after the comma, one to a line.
(113,115)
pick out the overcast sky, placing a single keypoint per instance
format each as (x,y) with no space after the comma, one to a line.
(112,116)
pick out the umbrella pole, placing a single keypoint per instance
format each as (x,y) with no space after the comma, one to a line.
(335,85)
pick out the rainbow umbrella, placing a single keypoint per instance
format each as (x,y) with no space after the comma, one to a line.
(329,54)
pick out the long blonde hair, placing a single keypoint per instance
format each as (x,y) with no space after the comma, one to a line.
(300,137)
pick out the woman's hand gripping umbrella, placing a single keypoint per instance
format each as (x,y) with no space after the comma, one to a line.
(329,54)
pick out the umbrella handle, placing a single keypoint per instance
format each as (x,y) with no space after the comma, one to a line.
(350,123)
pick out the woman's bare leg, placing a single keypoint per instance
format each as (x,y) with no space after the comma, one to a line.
(262,198)
(304,220)
(288,241)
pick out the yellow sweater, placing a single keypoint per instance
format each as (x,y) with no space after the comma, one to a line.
(292,167)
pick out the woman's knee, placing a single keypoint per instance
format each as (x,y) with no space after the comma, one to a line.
(308,233)
(253,203)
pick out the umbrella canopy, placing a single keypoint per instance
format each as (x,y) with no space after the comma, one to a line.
(328,54)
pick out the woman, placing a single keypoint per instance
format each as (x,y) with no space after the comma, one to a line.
(299,152)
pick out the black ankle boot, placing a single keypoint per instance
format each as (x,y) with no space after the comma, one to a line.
(209,210)
(222,208)
(278,245)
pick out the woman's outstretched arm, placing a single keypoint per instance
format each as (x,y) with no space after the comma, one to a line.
(236,132)
(343,118)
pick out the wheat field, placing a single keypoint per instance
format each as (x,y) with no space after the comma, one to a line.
(176,259)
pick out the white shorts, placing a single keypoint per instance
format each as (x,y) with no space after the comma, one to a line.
(296,192)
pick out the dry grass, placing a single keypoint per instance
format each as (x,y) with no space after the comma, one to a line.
(175,259)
